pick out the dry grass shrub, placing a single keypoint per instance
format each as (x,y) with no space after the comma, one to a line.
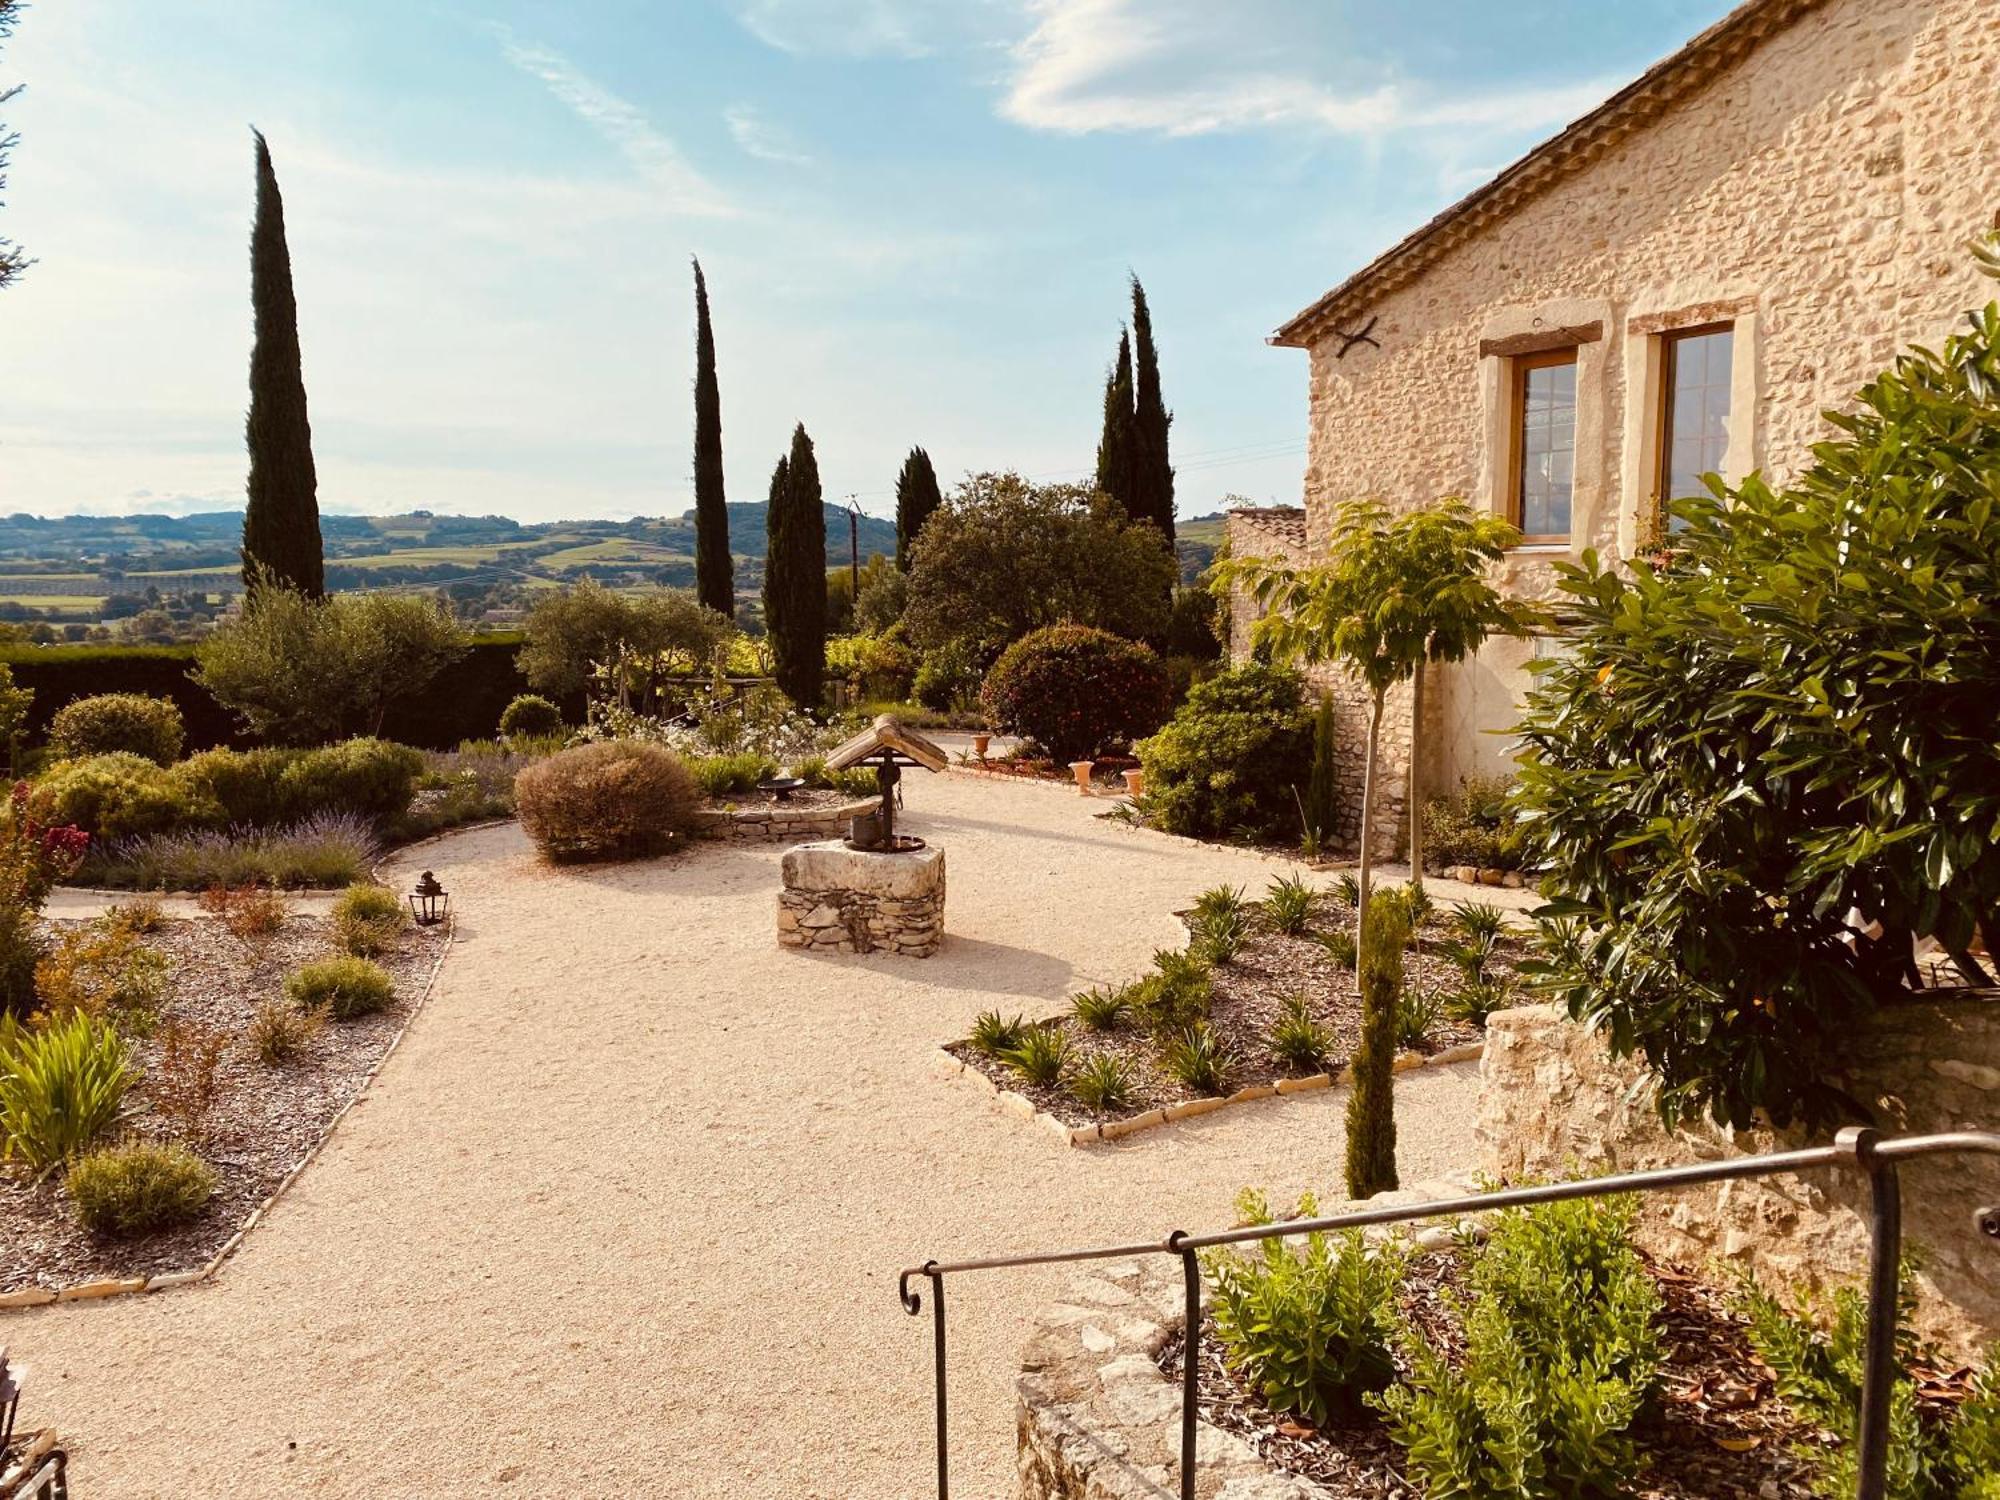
(619,799)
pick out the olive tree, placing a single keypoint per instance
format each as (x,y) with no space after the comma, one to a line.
(1770,762)
(588,635)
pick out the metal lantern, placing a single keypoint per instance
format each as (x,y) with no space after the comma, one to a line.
(430,902)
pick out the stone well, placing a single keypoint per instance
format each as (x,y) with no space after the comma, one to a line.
(841,900)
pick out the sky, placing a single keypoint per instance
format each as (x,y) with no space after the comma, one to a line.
(916,218)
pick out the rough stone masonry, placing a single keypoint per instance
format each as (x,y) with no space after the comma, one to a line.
(841,900)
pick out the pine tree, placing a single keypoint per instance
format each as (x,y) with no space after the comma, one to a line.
(1115,450)
(917,495)
(795,574)
(714,569)
(281,541)
(1152,470)
(1371,1107)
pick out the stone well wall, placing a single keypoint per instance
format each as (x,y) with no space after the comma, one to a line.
(762,824)
(841,900)
(1553,1104)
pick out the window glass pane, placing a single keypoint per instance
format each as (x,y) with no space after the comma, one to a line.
(1547,448)
(1694,437)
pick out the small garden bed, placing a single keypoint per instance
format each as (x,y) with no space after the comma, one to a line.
(1265,991)
(202,1083)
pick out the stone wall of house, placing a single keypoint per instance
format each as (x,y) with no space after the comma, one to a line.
(1819,192)
(1552,1103)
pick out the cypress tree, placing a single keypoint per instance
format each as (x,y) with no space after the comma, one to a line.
(795,574)
(714,569)
(1371,1107)
(281,541)
(1115,449)
(1152,470)
(917,495)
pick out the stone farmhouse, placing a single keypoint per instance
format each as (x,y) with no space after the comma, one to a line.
(1681,282)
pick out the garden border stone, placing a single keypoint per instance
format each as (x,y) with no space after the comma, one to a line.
(160,1281)
(1020,1105)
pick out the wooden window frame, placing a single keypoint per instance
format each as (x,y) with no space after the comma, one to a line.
(1663,408)
(1517,421)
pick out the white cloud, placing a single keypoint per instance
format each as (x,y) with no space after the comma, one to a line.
(760,138)
(652,154)
(1183,67)
(862,28)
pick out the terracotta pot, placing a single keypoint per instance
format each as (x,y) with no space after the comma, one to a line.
(1080,769)
(1135,783)
(979,744)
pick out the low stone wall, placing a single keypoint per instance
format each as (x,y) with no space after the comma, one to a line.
(1552,1103)
(779,821)
(842,900)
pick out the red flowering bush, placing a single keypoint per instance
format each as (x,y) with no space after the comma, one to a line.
(33,856)
(1076,691)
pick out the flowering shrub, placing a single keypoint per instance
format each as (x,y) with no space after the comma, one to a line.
(711,722)
(34,855)
(1076,691)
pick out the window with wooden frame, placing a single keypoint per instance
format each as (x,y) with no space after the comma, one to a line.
(1544,468)
(1694,411)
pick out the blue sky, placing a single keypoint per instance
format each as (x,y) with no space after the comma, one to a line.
(916,218)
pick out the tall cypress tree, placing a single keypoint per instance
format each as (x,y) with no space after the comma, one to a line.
(1115,449)
(917,495)
(714,569)
(1152,470)
(795,574)
(281,539)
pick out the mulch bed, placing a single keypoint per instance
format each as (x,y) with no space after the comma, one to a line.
(1248,995)
(265,1121)
(1715,1430)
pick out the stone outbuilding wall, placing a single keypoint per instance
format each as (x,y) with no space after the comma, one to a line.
(1809,171)
(1552,1103)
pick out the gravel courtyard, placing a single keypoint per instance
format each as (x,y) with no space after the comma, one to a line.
(622,1216)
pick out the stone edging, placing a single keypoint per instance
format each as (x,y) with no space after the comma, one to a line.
(1022,1107)
(119,1286)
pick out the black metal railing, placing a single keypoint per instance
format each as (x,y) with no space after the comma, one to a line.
(1858,1148)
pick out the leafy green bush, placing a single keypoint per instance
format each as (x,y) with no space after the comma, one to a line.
(1076,692)
(1217,937)
(60,1088)
(367,919)
(103,970)
(1288,905)
(948,677)
(346,988)
(1816,1348)
(1197,1059)
(1042,1055)
(620,799)
(118,796)
(114,723)
(726,775)
(1231,756)
(1311,1329)
(1176,994)
(244,784)
(1218,900)
(1561,1352)
(530,716)
(1101,1008)
(1104,1083)
(1297,1040)
(373,778)
(874,667)
(139,1187)
(1470,825)
(994,1036)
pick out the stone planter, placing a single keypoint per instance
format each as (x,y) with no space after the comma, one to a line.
(979,744)
(1081,769)
(842,900)
(1135,783)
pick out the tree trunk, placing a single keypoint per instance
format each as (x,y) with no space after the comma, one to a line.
(1368,815)
(1416,776)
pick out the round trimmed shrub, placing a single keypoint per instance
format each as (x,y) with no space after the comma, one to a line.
(530,717)
(244,784)
(346,988)
(1076,691)
(139,1187)
(1231,757)
(947,678)
(119,723)
(618,799)
(373,778)
(119,796)
(367,919)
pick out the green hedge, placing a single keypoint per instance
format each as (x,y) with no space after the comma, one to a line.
(465,703)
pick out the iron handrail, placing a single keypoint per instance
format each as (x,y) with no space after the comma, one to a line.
(1859,1148)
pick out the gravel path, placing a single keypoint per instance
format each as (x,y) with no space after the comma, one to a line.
(622,1216)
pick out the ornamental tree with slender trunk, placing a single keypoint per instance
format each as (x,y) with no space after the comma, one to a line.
(1152,469)
(1395,592)
(714,569)
(1116,445)
(795,575)
(917,496)
(281,540)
